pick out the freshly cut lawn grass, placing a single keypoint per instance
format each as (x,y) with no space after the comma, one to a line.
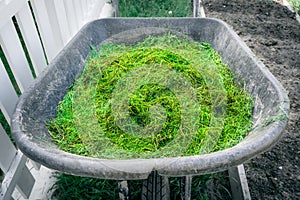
(102,73)
(75,127)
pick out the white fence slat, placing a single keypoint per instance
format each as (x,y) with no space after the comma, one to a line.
(84,5)
(91,4)
(107,11)
(81,9)
(7,151)
(25,183)
(7,1)
(14,176)
(9,10)
(71,16)
(14,53)
(31,38)
(98,10)
(89,10)
(52,45)
(79,14)
(62,21)
(53,17)
(8,96)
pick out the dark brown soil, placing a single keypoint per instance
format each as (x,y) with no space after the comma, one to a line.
(273,34)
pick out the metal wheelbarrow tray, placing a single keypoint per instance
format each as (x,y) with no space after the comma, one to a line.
(38,104)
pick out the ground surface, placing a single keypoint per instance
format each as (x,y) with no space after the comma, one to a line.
(273,34)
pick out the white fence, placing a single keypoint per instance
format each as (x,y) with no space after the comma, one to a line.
(44,27)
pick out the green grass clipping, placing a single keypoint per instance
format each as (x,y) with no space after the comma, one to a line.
(166,96)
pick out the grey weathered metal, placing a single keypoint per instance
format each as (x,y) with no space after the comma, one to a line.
(38,104)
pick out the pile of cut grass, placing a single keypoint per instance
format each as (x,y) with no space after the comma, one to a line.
(103,71)
(74,126)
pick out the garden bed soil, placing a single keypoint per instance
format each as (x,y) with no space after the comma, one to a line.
(273,34)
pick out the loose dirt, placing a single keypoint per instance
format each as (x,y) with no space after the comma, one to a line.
(273,34)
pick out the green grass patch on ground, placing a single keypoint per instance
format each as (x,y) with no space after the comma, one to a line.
(295,5)
(151,8)
(82,188)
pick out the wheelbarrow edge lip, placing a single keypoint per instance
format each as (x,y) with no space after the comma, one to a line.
(141,168)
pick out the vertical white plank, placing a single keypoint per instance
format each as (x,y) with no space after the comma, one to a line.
(51,43)
(84,5)
(98,11)
(8,96)
(25,183)
(7,151)
(7,1)
(44,180)
(53,18)
(71,16)
(91,4)
(78,12)
(9,10)
(62,20)
(81,2)
(16,58)
(106,11)
(14,175)
(81,11)
(31,39)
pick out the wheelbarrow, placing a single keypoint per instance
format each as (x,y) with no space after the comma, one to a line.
(38,105)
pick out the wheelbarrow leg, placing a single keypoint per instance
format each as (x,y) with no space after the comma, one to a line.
(123,190)
(238,183)
(186,187)
(156,187)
